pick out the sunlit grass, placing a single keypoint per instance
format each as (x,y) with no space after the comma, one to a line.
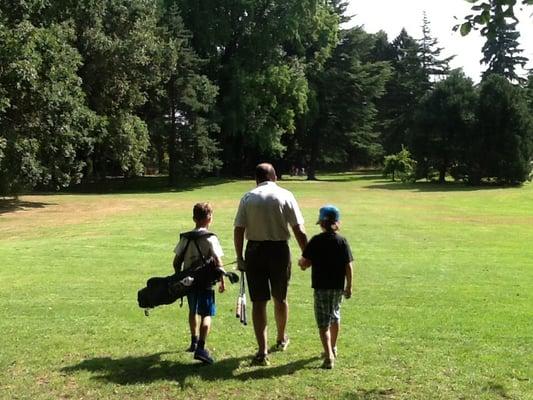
(443,304)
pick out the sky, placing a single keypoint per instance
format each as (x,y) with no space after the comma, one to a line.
(393,15)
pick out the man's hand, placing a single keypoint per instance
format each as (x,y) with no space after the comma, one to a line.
(348,292)
(241,264)
(222,286)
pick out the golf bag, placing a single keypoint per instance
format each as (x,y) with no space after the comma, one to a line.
(168,289)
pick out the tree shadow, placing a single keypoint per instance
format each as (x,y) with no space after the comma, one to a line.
(433,187)
(143,184)
(12,205)
(497,389)
(370,394)
(146,369)
(360,175)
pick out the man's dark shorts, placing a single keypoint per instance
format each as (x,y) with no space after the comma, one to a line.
(268,269)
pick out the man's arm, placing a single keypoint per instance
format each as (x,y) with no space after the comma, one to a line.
(238,242)
(300,236)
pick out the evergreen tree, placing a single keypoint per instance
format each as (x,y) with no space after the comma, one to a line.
(503,144)
(501,51)
(403,91)
(434,67)
(184,105)
(347,89)
(444,123)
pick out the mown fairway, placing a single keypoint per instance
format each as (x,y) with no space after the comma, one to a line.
(442,309)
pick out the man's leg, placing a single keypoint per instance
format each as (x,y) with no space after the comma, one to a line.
(259,317)
(281,314)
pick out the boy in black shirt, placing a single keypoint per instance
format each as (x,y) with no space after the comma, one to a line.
(331,258)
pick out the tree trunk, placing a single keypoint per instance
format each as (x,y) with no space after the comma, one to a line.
(442,174)
(172,148)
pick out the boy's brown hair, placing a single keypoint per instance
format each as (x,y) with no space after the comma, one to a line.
(330,226)
(202,211)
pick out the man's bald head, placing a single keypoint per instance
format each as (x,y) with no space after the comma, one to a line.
(265,172)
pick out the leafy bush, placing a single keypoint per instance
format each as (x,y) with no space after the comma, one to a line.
(400,165)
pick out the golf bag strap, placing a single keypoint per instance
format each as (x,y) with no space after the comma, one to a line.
(182,255)
(199,251)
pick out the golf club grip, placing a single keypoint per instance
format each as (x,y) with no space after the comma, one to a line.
(238,307)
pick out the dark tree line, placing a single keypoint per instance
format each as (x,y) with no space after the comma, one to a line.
(94,88)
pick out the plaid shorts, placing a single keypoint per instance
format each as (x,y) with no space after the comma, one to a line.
(327,306)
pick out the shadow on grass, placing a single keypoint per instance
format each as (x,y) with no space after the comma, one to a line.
(369,394)
(432,187)
(11,205)
(147,369)
(144,184)
(357,176)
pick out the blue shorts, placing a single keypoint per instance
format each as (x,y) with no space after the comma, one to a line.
(202,302)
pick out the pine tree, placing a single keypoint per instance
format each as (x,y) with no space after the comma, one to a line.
(433,65)
(501,51)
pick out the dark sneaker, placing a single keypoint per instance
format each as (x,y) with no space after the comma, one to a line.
(328,363)
(282,345)
(261,360)
(204,356)
(192,347)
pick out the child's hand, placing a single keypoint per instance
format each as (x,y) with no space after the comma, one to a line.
(348,292)
(304,263)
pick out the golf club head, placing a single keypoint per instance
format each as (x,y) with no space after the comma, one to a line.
(232,276)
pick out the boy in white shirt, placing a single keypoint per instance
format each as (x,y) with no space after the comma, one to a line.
(201,302)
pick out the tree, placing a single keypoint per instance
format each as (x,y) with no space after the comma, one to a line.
(251,50)
(400,165)
(503,147)
(347,90)
(182,107)
(44,122)
(483,14)
(501,52)
(443,124)
(433,66)
(403,91)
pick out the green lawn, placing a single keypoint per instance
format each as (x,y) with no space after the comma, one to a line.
(442,309)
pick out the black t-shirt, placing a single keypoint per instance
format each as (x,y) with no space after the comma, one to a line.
(329,253)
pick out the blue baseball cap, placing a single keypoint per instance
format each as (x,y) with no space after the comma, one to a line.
(329,213)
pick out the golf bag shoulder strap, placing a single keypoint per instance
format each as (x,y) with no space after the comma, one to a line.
(193,235)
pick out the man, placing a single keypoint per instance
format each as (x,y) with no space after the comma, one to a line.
(264,215)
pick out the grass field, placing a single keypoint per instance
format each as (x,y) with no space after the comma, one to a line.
(442,308)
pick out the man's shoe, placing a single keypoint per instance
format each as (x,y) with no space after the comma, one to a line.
(282,345)
(260,360)
(204,356)
(328,363)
